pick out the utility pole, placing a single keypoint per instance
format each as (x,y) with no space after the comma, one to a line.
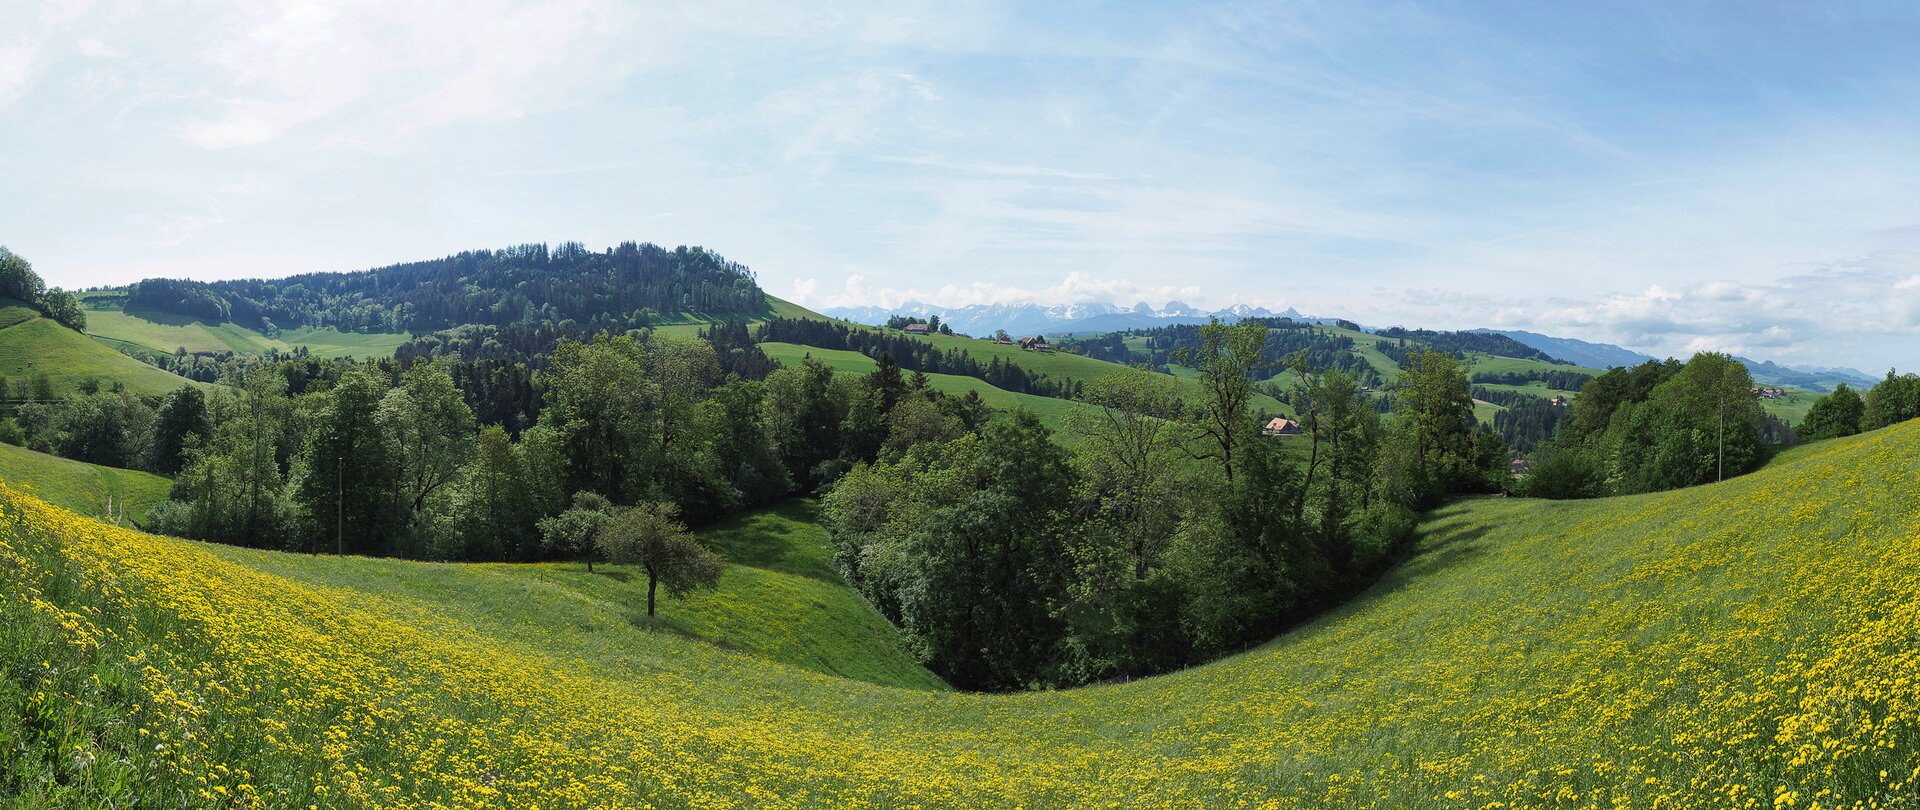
(339,508)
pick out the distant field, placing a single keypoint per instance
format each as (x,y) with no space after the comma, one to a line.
(31,344)
(82,487)
(164,334)
(1051,410)
(1791,408)
(1490,364)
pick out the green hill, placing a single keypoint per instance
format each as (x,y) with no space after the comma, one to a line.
(82,487)
(1051,410)
(164,333)
(31,344)
(1748,643)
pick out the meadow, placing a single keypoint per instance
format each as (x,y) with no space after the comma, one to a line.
(81,487)
(1744,644)
(31,345)
(164,334)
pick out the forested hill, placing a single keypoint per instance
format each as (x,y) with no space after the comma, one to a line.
(619,288)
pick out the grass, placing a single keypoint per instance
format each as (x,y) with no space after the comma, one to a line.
(31,344)
(1051,410)
(1791,408)
(1748,643)
(82,487)
(780,599)
(165,333)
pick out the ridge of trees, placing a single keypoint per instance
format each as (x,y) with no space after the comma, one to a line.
(575,290)
(18,281)
(1462,344)
(1286,339)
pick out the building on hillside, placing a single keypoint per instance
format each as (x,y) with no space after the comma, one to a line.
(1521,466)
(1036,343)
(1557,401)
(916,329)
(1281,426)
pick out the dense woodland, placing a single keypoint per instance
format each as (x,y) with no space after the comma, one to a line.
(566,285)
(1288,342)
(1459,344)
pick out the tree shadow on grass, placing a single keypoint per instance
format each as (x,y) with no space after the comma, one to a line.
(785,537)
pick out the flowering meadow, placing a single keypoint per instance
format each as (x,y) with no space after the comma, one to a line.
(1754,643)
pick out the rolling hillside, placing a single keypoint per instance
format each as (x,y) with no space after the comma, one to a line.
(31,344)
(1743,644)
(82,487)
(163,334)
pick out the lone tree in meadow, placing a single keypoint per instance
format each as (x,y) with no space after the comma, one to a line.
(651,536)
(575,533)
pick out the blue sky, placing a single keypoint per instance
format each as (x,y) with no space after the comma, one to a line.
(1669,176)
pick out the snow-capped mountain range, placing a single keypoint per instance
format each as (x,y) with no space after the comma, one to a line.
(1055,319)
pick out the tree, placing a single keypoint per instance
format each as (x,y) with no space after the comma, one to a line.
(1344,432)
(1834,415)
(1126,444)
(985,556)
(348,481)
(496,513)
(1892,401)
(180,423)
(64,308)
(681,370)
(1226,355)
(601,402)
(651,536)
(572,534)
(431,431)
(1435,418)
(803,414)
(17,279)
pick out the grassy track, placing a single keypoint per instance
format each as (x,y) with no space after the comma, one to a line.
(1749,643)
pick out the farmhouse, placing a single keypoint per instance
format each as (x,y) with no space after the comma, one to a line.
(1521,466)
(1281,426)
(916,329)
(1036,343)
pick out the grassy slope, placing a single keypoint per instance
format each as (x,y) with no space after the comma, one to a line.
(780,599)
(164,334)
(1719,646)
(82,487)
(1051,410)
(1059,366)
(30,344)
(1793,407)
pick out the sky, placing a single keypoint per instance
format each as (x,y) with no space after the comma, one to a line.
(1672,177)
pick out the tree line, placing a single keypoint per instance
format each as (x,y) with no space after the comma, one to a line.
(1844,412)
(576,290)
(1172,533)
(1557,379)
(1463,343)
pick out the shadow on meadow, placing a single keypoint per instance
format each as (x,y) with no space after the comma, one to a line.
(786,538)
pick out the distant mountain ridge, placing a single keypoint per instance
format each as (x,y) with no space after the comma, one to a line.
(1765,372)
(1056,319)
(1577,352)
